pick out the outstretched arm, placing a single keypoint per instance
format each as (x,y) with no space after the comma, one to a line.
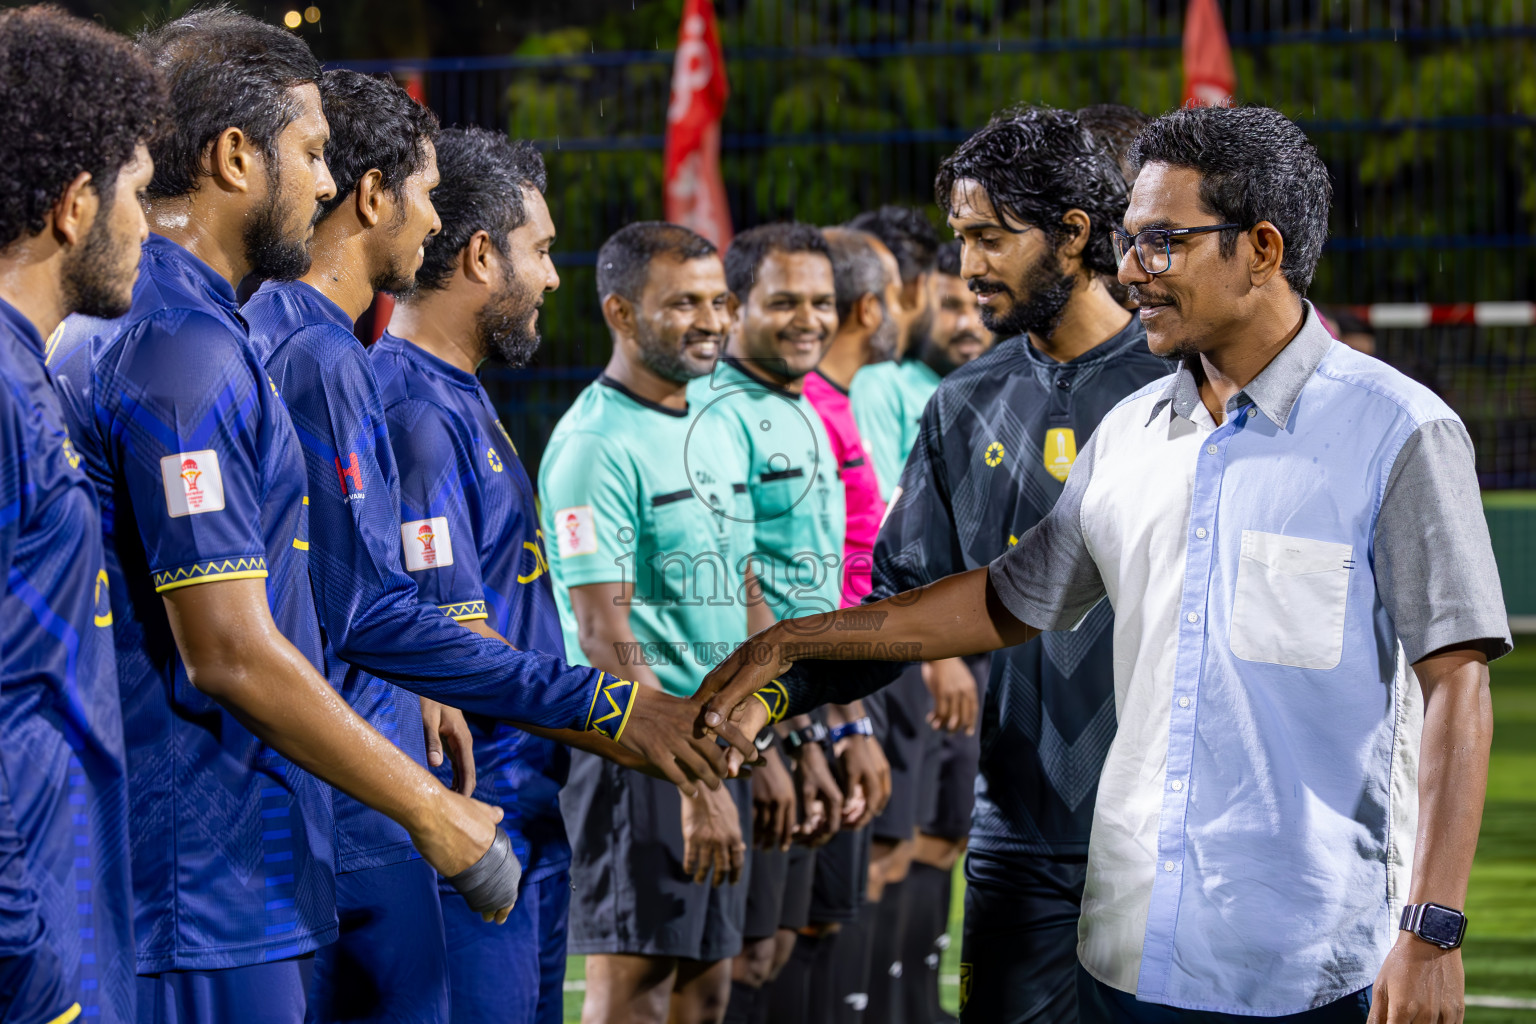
(950,618)
(591,742)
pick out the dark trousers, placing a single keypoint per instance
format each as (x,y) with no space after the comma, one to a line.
(1100,1004)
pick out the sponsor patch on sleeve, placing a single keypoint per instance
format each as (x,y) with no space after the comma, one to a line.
(192,482)
(577,533)
(426,543)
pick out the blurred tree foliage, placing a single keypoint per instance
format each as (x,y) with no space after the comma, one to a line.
(1427,137)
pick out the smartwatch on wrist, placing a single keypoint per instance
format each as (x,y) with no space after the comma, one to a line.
(797,739)
(1435,924)
(859,727)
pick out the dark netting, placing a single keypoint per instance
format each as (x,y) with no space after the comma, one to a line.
(1422,112)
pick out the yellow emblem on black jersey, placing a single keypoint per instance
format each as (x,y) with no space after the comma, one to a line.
(994,454)
(1060,451)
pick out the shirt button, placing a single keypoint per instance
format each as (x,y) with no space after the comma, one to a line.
(1192,617)
(1210,449)
(1200,533)
(1251,411)
(1183,702)
(1167,865)
(1177,785)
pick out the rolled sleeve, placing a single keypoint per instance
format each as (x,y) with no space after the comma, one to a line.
(1434,564)
(1049,579)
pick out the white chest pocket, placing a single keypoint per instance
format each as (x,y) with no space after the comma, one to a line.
(1290,600)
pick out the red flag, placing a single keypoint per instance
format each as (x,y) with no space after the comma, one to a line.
(1209,80)
(695,192)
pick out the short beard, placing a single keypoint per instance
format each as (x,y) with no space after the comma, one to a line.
(1046,290)
(394,279)
(274,256)
(93,279)
(669,362)
(504,324)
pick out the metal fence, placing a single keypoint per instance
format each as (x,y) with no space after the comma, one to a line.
(1425,113)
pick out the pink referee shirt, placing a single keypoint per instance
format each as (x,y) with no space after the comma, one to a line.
(862,489)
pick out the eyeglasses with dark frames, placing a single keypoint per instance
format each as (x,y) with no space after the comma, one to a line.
(1154,246)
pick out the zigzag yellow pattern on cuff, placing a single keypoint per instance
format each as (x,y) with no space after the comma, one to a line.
(775,698)
(464,611)
(204,572)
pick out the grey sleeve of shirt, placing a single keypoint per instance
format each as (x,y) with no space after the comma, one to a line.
(1433,561)
(1048,579)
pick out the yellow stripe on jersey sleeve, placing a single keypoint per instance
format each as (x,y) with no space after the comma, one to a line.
(210,571)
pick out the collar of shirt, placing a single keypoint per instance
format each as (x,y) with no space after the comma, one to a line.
(1131,334)
(744,369)
(162,249)
(608,382)
(312,301)
(1274,391)
(410,350)
(12,319)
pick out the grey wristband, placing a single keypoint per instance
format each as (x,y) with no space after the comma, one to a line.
(490,883)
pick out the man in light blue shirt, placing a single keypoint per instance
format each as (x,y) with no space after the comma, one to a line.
(1282,527)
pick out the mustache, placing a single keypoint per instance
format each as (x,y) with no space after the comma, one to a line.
(986,286)
(1142,297)
(794,334)
(694,336)
(966,336)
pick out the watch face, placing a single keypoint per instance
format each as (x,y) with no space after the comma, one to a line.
(1441,925)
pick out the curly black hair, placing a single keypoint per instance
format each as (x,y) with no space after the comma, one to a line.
(1035,164)
(751,247)
(1115,126)
(1254,165)
(374,125)
(624,261)
(483,175)
(907,233)
(224,70)
(77,98)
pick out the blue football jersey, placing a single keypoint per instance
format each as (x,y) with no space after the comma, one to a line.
(306,342)
(66,925)
(460,475)
(199,478)
(371,613)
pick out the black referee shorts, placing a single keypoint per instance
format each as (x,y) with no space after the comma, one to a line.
(629,891)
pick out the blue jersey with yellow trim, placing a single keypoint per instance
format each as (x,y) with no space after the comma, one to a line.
(66,926)
(380,624)
(460,477)
(199,478)
(322,372)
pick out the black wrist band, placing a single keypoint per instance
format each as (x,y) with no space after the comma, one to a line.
(490,883)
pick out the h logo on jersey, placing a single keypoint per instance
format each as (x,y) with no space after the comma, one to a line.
(351,472)
(426,544)
(192,483)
